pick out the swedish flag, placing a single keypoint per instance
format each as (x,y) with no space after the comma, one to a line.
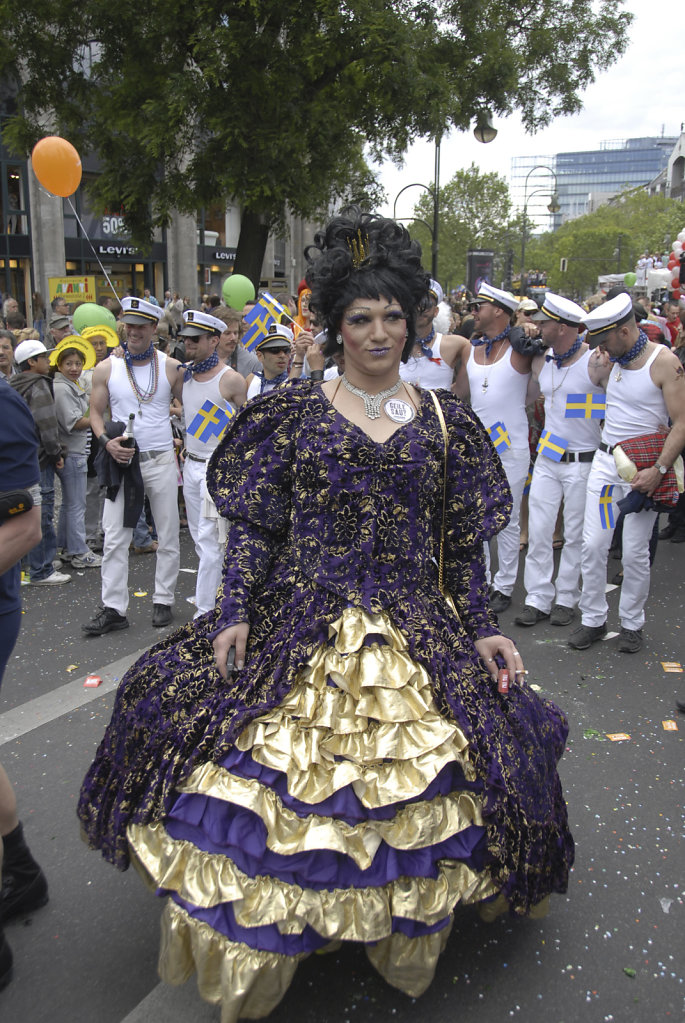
(552,446)
(606,511)
(499,436)
(210,421)
(260,316)
(585,406)
(529,480)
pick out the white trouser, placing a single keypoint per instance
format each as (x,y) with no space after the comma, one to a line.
(516,462)
(553,481)
(205,534)
(637,529)
(161,486)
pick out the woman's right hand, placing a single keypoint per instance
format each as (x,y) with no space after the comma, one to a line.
(234,635)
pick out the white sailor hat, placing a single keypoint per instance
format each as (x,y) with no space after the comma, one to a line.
(502,299)
(137,310)
(196,323)
(277,336)
(436,291)
(612,314)
(560,309)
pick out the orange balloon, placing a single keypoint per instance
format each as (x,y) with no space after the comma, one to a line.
(57,165)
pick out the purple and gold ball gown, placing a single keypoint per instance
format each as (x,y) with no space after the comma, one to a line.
(361,776)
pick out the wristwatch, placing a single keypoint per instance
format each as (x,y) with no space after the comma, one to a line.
(663,469)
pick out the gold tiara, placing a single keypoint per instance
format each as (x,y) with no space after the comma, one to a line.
(359,248)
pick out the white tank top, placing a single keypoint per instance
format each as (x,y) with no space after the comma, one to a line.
(556,385)
(428,373)
(152,428)
(498,395)
(635,405)
(195,394)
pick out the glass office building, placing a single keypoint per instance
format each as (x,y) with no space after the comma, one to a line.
(584,179)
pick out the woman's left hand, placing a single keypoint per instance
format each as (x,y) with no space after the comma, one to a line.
(490,646)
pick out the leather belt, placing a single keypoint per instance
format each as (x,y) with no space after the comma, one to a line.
(145,456)
(606,447)
(195,458)
(577,456)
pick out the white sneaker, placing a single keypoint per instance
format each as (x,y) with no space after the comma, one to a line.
(88,560)
(52,580)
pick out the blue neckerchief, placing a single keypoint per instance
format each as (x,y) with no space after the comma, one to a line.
(424,344)
(639,345)
(561,359)
(198,367)
(490,341)
(130,359)
(274,382)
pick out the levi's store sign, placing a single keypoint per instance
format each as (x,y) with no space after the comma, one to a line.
(118,250)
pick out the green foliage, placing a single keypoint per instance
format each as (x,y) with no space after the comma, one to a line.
(272,104)
(610,240)
(475,213)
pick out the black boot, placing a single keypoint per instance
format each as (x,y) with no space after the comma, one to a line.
(24,887)
(5,960)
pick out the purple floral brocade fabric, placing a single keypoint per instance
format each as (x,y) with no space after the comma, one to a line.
(321,518)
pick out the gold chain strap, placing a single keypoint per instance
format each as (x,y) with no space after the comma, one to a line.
(441,557)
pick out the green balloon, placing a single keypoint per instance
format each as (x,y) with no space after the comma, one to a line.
(629,279)
(91,315)
(237,290)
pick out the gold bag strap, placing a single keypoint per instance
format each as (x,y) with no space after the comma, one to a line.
(443,427)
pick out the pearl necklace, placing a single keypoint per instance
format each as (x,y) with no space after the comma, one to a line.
(372,402)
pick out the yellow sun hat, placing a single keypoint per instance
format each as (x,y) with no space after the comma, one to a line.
(109,333)
(80,344)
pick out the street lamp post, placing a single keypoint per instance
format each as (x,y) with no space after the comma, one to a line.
(485,133)
(553,206)
(434,192)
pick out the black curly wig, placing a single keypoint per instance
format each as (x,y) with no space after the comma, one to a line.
(392,269)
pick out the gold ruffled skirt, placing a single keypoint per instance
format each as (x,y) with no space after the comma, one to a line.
(359,729)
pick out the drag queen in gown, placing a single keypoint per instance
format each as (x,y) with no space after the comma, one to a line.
(359,774)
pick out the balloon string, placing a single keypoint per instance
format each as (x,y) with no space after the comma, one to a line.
(78,219)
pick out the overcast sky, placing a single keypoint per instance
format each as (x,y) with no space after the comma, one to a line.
(641,94)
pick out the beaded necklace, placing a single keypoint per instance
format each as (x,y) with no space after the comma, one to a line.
(145,394)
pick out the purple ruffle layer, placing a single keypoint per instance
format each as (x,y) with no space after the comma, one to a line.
(344,804)
(216,826)
(269,939)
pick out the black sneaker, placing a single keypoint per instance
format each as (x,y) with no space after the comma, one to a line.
(630,641)
(678,536)
(585,635)
(161,615)
(667,532)
(561,615)
(106,620)
(499,601)
(530,616)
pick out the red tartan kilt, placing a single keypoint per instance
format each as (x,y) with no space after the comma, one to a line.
(644,452)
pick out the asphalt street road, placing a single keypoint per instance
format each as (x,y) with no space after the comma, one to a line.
(612,949)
